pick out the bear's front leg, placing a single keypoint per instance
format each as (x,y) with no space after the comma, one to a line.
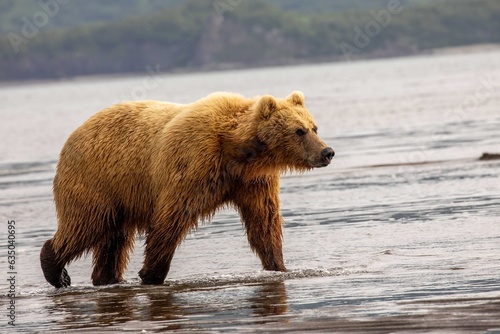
(154,274)
(161,242)
(158,255)
(258,205)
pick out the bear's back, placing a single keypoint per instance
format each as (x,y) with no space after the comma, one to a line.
(110,154)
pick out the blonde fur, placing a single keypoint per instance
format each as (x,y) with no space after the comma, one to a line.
(158,168)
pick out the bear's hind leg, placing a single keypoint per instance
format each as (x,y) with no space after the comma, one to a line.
(111,257)
(53,269)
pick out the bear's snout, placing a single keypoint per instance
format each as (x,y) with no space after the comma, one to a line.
(320,157)
(327,154)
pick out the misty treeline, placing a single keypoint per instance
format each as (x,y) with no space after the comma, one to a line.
(239,33)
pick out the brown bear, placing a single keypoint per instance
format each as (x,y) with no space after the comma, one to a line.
(159,168)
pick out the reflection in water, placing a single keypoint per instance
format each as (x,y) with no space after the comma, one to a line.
(84,309)
(161,305)
(270,299)
(165,307)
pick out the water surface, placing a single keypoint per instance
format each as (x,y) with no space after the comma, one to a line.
(401,232)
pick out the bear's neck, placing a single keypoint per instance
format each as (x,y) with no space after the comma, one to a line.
(243,152)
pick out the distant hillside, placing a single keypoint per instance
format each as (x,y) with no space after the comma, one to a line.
(80,13)
(251,33)
(75,13)
(329,6)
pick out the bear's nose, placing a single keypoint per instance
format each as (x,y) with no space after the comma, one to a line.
(327,154)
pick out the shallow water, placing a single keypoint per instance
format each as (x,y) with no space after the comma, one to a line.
(401,232)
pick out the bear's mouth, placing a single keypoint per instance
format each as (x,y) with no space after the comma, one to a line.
(308,164)
(319,164)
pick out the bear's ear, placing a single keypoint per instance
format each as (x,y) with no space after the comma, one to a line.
(266,106)
(297,98)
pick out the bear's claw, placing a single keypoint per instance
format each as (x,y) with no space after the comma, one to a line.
(65,279)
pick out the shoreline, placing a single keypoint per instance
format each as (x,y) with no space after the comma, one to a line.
(223,67)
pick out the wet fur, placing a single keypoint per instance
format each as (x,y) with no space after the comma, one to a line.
(159,168)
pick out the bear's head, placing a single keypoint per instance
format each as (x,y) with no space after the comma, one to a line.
(287,134)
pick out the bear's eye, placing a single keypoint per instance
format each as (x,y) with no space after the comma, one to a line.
(300,132)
